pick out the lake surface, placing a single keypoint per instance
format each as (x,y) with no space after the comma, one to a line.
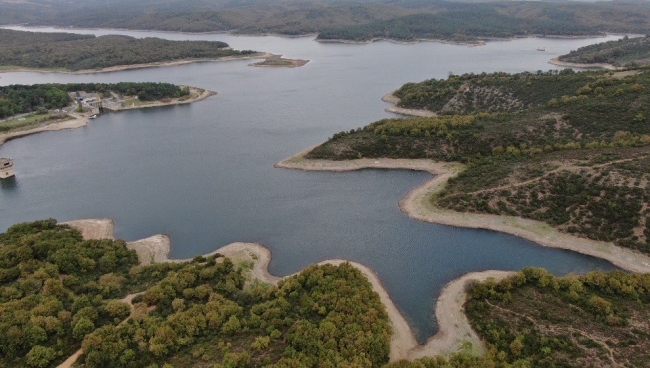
(203,173)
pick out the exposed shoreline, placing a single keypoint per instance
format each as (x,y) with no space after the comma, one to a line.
(454,334)
(556,61)
(416,205)
(79,121)
(391,98)
(260,55)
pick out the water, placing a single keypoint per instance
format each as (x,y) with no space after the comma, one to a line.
(203,173)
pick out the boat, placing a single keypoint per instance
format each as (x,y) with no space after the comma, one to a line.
(6,168)
(93,116)
(541,49)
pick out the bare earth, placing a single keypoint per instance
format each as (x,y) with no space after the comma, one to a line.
(391,98)
(455,332)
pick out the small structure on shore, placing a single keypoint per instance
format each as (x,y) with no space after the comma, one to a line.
(6,168)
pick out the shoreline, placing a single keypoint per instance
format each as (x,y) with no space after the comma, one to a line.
(454,331)
(556,61)
(117,68)
(391,98)
(416,205)
(80,121)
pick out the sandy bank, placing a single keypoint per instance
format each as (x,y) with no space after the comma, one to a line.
(77,121)
(455,332)
(416,205)
(391,98)
(260,55)
(556,61)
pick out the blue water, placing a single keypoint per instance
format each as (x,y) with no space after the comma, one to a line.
(203,173)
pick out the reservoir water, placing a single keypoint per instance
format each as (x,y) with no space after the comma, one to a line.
(203,173)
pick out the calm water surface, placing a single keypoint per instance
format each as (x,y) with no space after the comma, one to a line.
(203,173)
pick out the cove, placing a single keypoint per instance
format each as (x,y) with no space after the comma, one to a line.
(203,173)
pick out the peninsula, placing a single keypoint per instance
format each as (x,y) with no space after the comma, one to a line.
(626,52)
(566,151)
(77,53)
(26,110)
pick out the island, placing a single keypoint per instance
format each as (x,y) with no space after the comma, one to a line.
(277,61)
(30,109)
(69,52)
(72,294)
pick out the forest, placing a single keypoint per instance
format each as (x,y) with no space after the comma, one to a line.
(59,293)
(348,19)
(569,149)
(626,52)
(19,99)
(20,49)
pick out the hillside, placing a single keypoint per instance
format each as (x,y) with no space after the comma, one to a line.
(72,52)
(59,293)
(626,52)
(341,19)
(569,149)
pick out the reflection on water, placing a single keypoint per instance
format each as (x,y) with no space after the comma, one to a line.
(9,183)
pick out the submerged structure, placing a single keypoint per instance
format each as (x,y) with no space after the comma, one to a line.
(6,168)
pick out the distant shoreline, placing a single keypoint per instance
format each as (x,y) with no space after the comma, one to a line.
(259,55)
